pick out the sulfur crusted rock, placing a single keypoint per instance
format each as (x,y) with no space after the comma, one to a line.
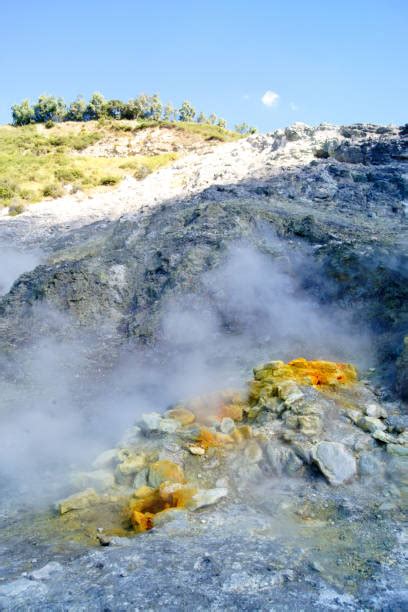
(78,501)
(165,471)
(303,372)
(182,415)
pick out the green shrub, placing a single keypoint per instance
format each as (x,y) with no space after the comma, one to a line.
(109,179)
(56,141)
(68,175)
(53,190)
(119,127)
(8,190)
(16,208)
(49,124)
(141,172)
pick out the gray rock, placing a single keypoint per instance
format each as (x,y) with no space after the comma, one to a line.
(168,425)
(397,423)
(47,571)
(141,479)
(397,449)
(370,465)
(227,425)
(375,410)
(150,422)
(282,460)
(335,462)
(208,497)
(398,470)
(370,424)
(385,437)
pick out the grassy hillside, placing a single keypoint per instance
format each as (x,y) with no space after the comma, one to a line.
(36,163)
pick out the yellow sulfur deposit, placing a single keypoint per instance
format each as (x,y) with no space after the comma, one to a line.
(165,471)
(208,438)
(143,509)
(303,372)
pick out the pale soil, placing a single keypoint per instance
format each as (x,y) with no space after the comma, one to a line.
(254,158)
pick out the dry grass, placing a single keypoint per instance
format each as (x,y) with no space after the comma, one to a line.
(37,163)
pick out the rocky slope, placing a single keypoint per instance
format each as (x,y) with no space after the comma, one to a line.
(279,245)
(343,191)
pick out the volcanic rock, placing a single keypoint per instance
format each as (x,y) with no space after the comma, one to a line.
(335,462)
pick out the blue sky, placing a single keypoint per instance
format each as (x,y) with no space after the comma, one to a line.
(327,60)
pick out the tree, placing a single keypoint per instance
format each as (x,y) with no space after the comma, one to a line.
(131,109)
(212,118)
(143,102)
(23,113)
(168,112)
(244,128)
(156,107)
(186,111)
(76,110)
(222,123)
(49,108)
(201,118)
(96,107)
(115,109)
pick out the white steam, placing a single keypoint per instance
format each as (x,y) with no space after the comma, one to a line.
(13,263)
(59,405)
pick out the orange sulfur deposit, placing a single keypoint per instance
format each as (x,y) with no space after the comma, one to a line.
(147,504)
(203,417)
(303,372)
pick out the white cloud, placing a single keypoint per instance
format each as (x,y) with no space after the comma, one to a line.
(270,98)
(293,106)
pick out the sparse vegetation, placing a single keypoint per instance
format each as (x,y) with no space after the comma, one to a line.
(44,154)
(144,107)
(245,129)
(36,164)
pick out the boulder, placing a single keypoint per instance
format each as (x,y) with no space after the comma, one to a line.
(150,422)
(53,567)
(227,425)
(182,415)
(336,463)
(164,471)
(208,497)
(375,410)
(370,424)
(78,501)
